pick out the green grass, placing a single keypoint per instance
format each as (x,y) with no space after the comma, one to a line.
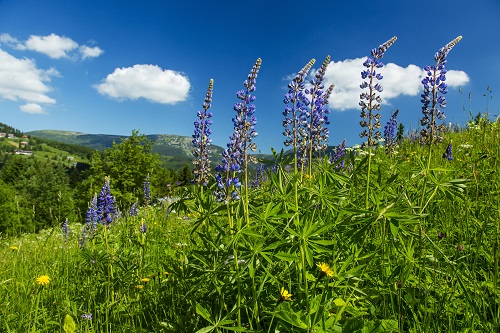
(421,256)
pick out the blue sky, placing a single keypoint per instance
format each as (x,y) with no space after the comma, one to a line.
(108,67)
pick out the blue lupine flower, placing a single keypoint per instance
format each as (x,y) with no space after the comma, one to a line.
(234,157)
(146,189)
(433,98)
(143,228)
(134,210)
(371,100)
(106,210)
(92,219)
(201,140)
(338,157)
(389,135)
(87,316)
(65,228)
(260,176)
(448,154)
(317,133)
(296,106)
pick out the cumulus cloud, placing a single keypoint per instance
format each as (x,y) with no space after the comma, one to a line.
(90,52)
(32,108)
(398,81)
(21,79)
(147,81)
(53,45)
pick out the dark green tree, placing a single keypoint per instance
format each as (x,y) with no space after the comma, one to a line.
(126,163)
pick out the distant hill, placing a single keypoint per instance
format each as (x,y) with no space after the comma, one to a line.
(175,151)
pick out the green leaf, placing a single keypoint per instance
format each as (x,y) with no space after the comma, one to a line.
(206,329)
(203,312)
(285,256)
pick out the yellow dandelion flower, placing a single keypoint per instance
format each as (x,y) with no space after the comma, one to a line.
(325,270)
(139,286)
(284,295)
(166,273)
(145,280)
(14,248)
(43,280)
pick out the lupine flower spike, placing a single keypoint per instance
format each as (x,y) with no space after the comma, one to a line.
(317,117)
(201,140)
(296,108)
(92,218)
(106,210)
(389,133)
(370,101)
(146,190)
(448,154)
(433,98)
(337,157)
(234,157)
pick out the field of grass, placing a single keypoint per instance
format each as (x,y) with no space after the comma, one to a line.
(416,251)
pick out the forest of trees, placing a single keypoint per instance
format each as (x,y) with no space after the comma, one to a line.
(38,193)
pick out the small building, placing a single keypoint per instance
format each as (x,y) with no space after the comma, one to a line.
(23,152)
(3,135)
(11,136)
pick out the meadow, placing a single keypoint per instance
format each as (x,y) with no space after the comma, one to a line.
(396,235)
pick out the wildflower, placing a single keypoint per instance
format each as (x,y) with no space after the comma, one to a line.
(337,156)
(235,157)
(441,235)
(139,286)
(433,99)
(284,295)
(43,280)
(92,217)
(14,248)
(389,137)
(371,100)
(296,107)
(399,284)
(65,228)
(325,270)
(461,247)
(166,273)
(106,210)
(448,154)
(87,316)
(143,228)
(146,190)
(201,140)
(145,280)
(314,122)
(134,210)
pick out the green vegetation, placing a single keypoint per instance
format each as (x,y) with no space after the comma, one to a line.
(418,251)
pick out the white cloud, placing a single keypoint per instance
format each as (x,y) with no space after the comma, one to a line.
(90,52)
(8,40)
(32,108)
(20,79)
(52,45)
(147,81)
(397,81)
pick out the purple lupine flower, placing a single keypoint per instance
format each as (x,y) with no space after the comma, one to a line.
(260,176)
(234,157)
(316,118)
(370,101)
(143,228)
(106,209)
(87,316)
(433,98)
(448,154)
(134,209)
(337,157)
(296,106)
(146,190)
(92,219)
(201,140)
(389,135)
(65,228)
